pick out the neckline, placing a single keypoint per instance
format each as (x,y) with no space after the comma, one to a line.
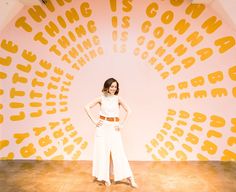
(109,96)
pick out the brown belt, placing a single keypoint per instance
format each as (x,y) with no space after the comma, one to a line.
(109,118)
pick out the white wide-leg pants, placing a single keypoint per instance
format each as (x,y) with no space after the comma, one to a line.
(108,142)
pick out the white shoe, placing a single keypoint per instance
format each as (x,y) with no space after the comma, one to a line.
(107,183)
(133,183)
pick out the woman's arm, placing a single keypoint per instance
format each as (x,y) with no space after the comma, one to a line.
(88,111)
(127,110)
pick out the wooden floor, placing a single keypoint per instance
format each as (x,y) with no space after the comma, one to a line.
(75,176)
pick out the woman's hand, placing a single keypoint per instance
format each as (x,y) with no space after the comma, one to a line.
(119,127)
(99,123)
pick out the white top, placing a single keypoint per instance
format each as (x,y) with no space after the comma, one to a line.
(110,106)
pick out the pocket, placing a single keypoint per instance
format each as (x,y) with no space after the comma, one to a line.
(99,132)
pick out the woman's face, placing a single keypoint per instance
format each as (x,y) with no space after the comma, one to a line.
(112,89)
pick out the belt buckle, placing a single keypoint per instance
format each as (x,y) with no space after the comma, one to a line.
(110,118)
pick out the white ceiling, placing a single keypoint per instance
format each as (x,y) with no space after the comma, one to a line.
(226,9)
(9,9)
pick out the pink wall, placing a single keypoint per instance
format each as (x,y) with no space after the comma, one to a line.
(181,89)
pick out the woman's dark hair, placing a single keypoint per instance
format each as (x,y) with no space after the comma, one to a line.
(107,85)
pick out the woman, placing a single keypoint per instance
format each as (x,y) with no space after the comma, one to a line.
(108,147)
